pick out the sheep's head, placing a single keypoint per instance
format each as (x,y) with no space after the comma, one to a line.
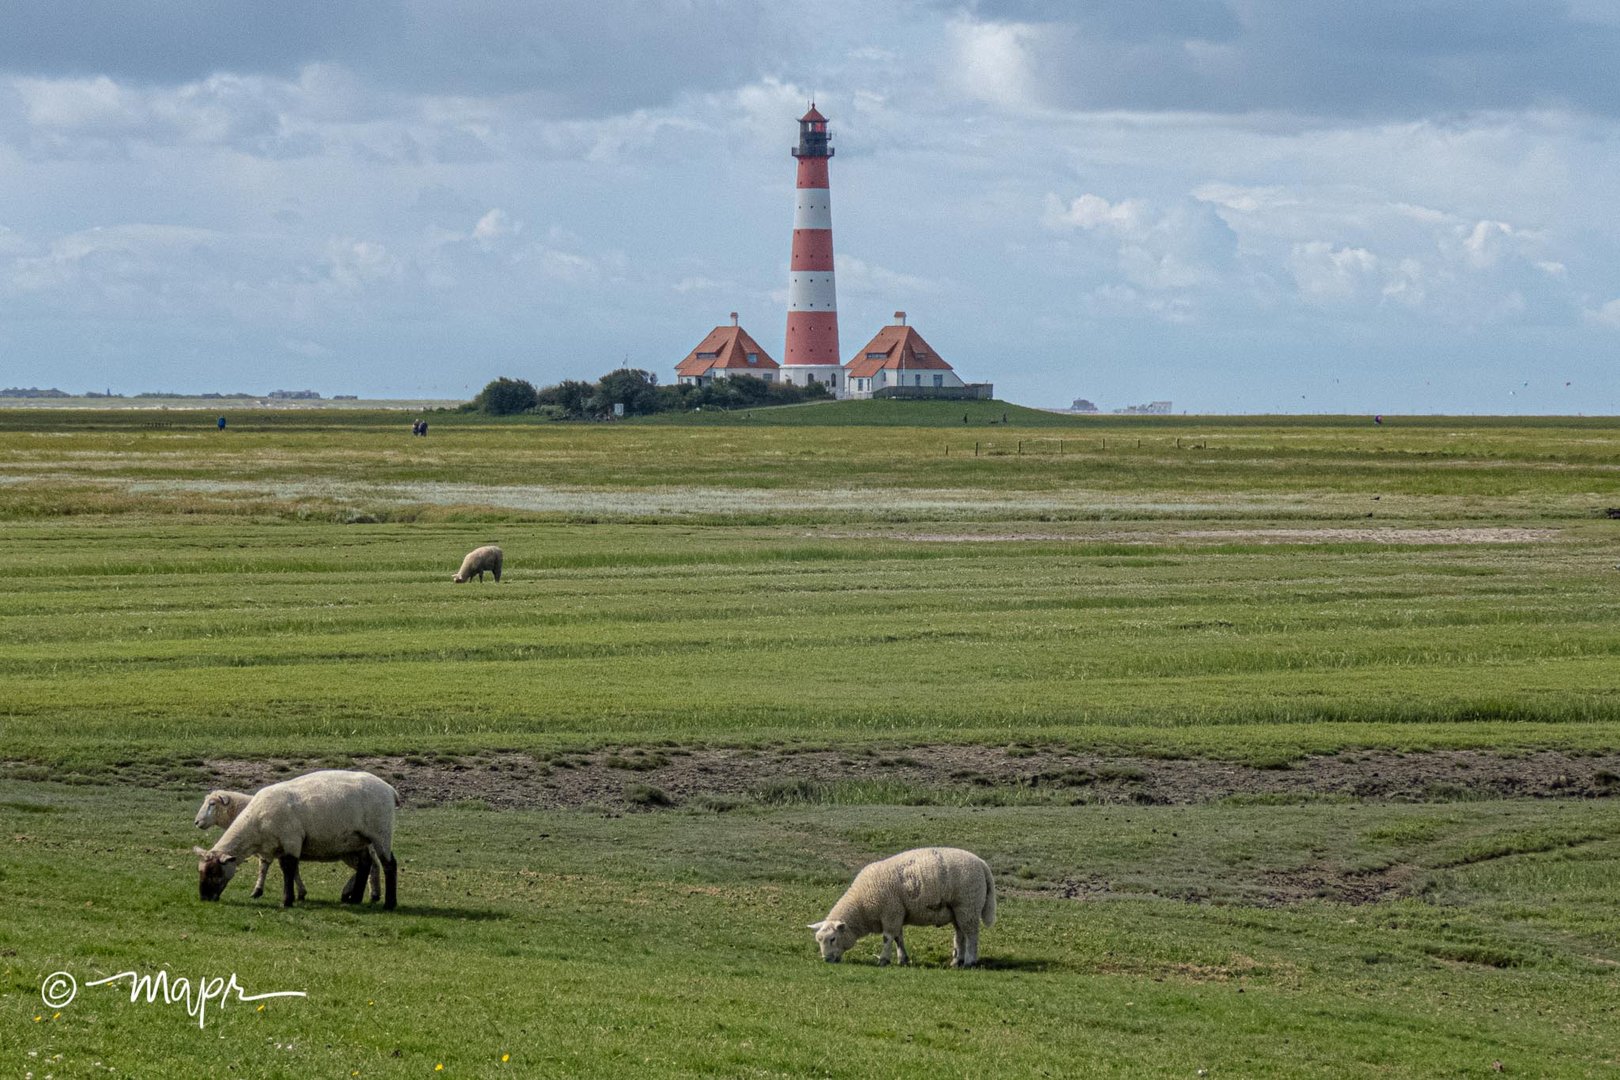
(457,578)
(834,938)
(214,872)
(216,810)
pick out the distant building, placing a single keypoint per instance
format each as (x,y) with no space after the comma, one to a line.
(1152,408)
(727,351)
(899,363)
(295,395)
(1082,405)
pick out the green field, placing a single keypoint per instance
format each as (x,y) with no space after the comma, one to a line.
(861,585)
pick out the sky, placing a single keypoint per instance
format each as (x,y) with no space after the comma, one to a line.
(1390,206)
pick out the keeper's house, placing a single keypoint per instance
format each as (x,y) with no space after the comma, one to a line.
(727,351)
(899,363)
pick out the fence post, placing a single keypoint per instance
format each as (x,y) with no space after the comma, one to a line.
(975,447)
(1020,447)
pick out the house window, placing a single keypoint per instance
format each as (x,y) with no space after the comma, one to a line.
(939,380)
(753,358)
(708,356)
(918,380)
(832,380)
(876,355)
(768,377)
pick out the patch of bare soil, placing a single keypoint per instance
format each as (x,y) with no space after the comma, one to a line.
(1386,535)
(612,778)
(1376,536)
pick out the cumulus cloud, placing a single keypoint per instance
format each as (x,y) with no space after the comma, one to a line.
(1182,247)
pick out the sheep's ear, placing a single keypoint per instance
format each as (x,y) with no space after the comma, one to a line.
(812,926)
(218,798)
(223,859)
(202,852)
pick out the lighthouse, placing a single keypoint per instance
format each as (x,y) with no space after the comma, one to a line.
(811,353)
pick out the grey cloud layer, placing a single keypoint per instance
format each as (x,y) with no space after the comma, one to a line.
(1368,58)
(586,59)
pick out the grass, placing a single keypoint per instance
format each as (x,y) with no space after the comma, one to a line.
(672,943)
(1255,589)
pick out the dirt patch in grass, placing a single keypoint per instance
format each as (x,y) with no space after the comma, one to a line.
(1385,535)
(1375,536)
(720,779)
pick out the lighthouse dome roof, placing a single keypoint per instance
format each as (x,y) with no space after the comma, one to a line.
(812,116)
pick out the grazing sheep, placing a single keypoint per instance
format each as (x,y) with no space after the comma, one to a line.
(221,808)
(922,887)
(477,561)
(327,816)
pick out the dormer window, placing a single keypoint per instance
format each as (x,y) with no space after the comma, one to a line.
(753,358)
(708,356)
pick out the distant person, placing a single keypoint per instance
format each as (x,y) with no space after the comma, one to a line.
(221,423)
(1379,419)
(964,418)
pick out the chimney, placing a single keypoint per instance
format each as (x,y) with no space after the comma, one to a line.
(899,318)
(733,318)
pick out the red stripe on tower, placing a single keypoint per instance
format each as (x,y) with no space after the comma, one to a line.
(812,354)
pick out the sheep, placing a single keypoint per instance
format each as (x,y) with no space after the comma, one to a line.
(921,887)
(328,816)
(220,808)
(477,561)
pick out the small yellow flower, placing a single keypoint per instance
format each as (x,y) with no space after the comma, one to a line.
(439,1067)
(58,1016)
(371,1003)
(261,1008)
(505,1058)
(37,1019)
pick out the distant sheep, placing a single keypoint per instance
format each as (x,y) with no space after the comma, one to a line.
(477,561)
(327,816)
(922,887)
(220,808)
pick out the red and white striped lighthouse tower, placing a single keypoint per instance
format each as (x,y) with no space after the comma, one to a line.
(811,354)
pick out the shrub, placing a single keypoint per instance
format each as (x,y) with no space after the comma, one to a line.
(505,397)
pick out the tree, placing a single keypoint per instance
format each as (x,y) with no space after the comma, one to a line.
(571,396)
(504,397)
(635,389)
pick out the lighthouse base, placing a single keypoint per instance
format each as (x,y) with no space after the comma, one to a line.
(830,375)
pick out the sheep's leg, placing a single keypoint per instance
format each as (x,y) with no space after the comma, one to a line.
(390,867)
(258,885)
(883,957)
(289,874)
(376,880)
(966,953)
(900,946)
(299,882)
(355,890)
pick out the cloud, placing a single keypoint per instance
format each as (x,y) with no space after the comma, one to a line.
(568,59)
(1184,246)
(1325,58)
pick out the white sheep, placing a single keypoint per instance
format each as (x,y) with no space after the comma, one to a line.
(922,887)
(477,561)
(220,808)
(328,816)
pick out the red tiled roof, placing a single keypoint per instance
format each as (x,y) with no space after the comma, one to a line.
(813,115)
(725,347)
(893,348)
